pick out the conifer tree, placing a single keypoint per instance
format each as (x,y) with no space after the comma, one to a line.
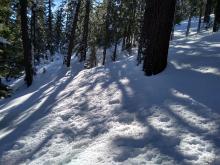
(216,25)
(49,24)
(59,25)
(106,33)
(208,10)
(72,35)
(84,43)
(26,43)
(157,27)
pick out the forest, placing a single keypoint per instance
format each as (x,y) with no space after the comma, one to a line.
(32,31)
(109,82)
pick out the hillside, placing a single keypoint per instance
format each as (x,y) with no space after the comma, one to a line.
(116,115)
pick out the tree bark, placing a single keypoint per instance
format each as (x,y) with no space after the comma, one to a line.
(158,22)
(72,35)
(115,51)
(217,17)
(189,23)
(106,31)
(85,31)
(208,10)
(33,30)
(200,17)
(26,43)
(50,27)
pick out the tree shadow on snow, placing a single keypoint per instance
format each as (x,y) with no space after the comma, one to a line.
(188,96)
(179,104)
(21,118)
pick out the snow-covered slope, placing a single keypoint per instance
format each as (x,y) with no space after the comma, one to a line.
(116,115)
(180,30)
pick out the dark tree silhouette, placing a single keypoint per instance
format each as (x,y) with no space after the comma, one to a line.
(26,43)
(50,33)
(208,10)
(72,35)
(216,25)
(85,30)
(106,39)
(157,27)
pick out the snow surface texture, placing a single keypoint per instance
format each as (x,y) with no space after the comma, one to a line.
(116,115)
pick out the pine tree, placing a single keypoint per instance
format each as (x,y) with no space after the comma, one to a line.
(192,4)
(208,10)
(33,30)
(158,21)
(116,30)
(50,37)
(11,57)
(107,24)
(72,35)
(41,30)
(216,25)
(70,8)
(59,25)
(84,43)
(26,43)
(201,4)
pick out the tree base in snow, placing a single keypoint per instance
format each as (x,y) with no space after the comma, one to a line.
(156,31)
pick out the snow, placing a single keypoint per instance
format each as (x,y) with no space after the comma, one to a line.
(3,40)
(116,115)
(180,30)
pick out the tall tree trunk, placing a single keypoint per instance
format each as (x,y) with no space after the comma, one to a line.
(200,17)
(189,22)
(140,44)
(173,26)
(85,30)
(106,31)
(115,51)
(158,22)
(172,31)
(140,52)
(33,30)
(123,42)
(26,43)
(208,10)
(50,27)
(217,17)
(72,35)
(93,59)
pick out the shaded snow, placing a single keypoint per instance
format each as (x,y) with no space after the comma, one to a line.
(3,40)
(180,29)
(116,115)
